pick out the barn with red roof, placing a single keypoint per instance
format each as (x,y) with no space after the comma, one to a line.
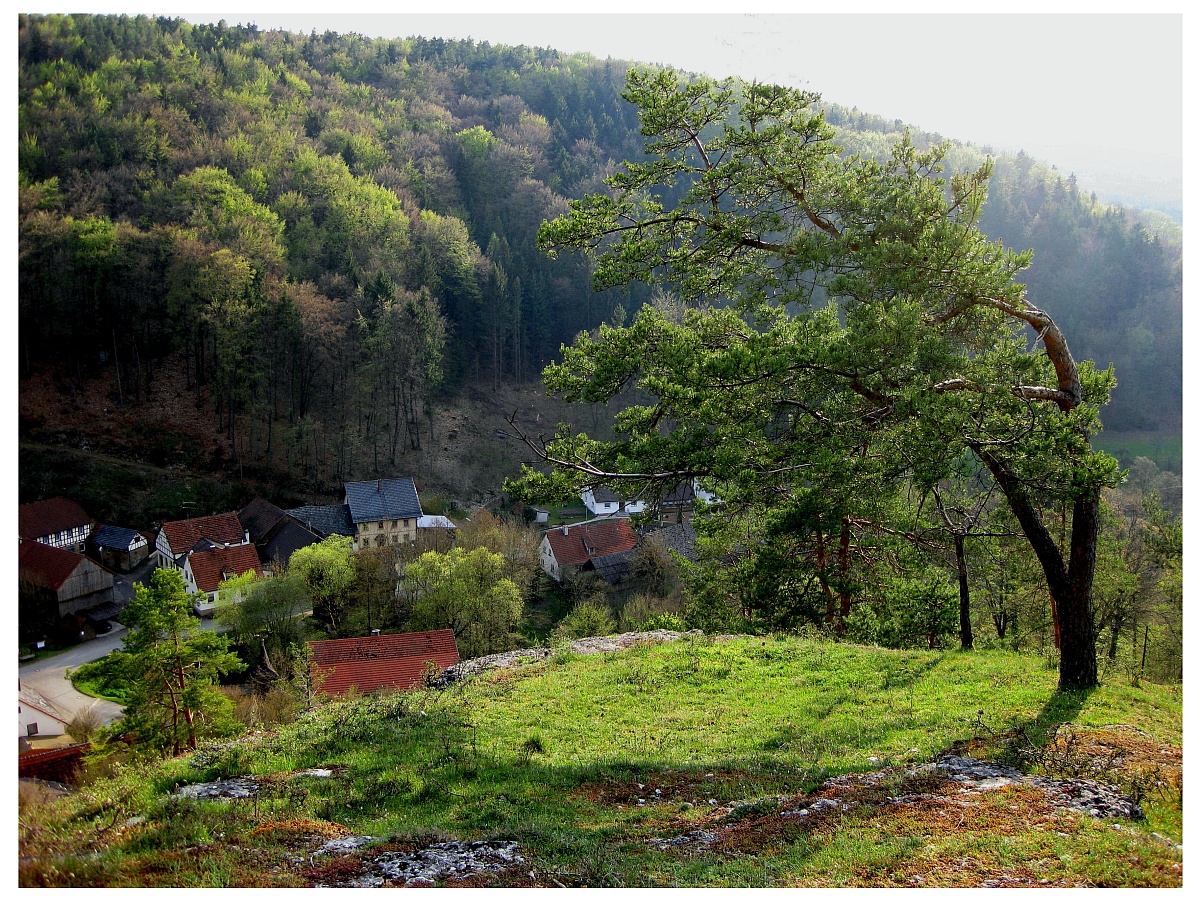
(381,661)
(78,583)
(57,522)
(571,547)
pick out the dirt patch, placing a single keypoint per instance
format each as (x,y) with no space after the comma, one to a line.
(54,408)
(951,793)
(305,827)
(1119,751)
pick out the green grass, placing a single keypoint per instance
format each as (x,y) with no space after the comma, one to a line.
(103,677)
(29,654)
(554,755)
(1165,448)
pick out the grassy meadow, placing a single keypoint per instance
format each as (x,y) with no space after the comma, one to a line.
(594,764)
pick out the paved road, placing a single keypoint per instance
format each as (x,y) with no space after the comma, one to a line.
(48,676)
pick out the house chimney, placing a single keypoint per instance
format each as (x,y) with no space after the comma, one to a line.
(566,528)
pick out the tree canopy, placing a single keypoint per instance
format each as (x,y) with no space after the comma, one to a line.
(256,211)
(173,666)
(849,329)
(468,592)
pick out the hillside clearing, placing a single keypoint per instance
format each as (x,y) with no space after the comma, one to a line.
(705,762)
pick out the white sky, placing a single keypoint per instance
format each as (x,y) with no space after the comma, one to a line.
(1091,93)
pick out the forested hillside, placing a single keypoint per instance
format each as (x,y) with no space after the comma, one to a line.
(326,238)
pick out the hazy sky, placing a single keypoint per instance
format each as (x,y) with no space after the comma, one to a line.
(1092,93)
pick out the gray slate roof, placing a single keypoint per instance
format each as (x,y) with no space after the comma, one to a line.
(614,568)
(325,520)
(259,517)
(285,540)
(681,495)
(680,538)
(117,538)
(385,498)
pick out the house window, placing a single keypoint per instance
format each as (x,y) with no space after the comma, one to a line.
(31,729)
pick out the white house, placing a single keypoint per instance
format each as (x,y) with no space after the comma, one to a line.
(177,539)
(600,501)
(568,548)
(205,570)
(38,716)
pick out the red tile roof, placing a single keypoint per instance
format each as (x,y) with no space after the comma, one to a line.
(223,528)
(584,542)
(384,660)
(50,565)
(211,567)
(47,517)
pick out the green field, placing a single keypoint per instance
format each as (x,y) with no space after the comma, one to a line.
(595,764)
(1165,448)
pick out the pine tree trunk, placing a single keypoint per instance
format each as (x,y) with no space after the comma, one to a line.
(1070,589)
(1076,618)
(964,594)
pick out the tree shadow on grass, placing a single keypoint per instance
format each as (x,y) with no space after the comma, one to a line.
(1034,734)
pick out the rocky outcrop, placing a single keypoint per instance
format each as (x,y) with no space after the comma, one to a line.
(470,668)
(433,864)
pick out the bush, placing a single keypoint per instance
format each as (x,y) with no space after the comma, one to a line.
(916,612)
(277,706)
(84,724)
(587,619)
(643,612)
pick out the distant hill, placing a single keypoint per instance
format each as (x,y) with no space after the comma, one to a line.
(326,238)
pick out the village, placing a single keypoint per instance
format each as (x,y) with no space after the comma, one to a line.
(78,575)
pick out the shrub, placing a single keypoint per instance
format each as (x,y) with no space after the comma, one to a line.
(643,612)
(587,619)
(84,724)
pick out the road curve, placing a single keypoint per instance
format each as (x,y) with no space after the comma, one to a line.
(48,677)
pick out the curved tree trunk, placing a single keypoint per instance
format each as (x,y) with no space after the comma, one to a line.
(1070,588)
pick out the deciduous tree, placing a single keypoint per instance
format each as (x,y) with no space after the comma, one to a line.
(264,616)
(466,591)
(327,570)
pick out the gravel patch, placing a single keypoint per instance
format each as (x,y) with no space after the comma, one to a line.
(423,868)
(1103,801)
(225,789)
